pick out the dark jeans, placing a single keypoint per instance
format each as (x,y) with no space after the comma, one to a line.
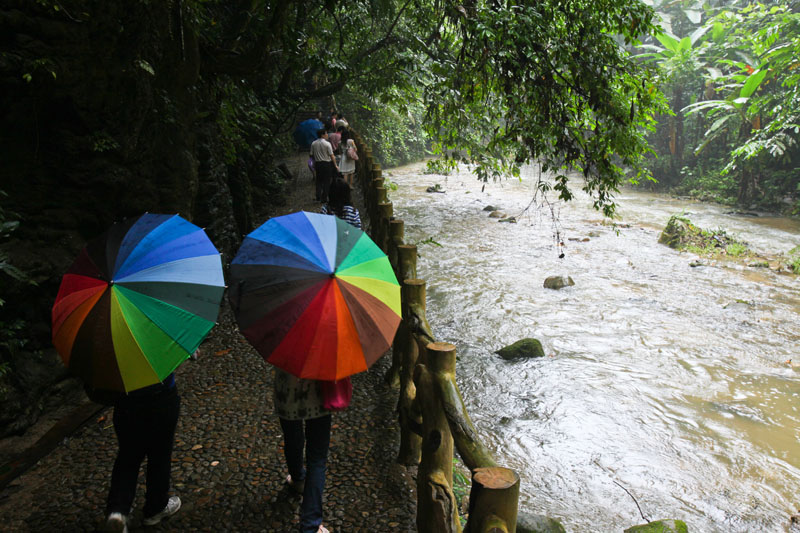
(145,427)
(316,442)
(325,171)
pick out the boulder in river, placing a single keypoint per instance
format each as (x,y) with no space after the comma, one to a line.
(490,208)
(512,220)
(497,214)
(660,526)
(558,282)
(435,188)
(522,349)
(537,523)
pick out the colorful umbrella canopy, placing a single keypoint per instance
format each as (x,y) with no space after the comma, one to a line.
(137,302)
(315,296)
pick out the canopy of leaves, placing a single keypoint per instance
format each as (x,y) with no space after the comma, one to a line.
(502,82)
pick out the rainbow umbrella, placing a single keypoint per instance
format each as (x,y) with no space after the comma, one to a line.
(315,296)
(137,302)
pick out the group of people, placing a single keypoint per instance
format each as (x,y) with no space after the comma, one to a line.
(334,155)
(145,421)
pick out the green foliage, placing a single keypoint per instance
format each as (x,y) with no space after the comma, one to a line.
(681,234)
(429,240)
(442,166)
(461,483)
(734,90)
(794,259)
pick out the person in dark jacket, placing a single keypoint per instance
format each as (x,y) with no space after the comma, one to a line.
(144,421)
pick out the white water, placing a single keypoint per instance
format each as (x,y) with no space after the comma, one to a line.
(669,380)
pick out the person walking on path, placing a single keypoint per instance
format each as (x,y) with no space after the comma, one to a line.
(341,204)
(144,421)
(306,427)
(348,165)
(324,165)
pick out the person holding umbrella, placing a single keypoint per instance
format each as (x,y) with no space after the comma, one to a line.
(134,305)
(320,301)
(144,421)
(306,427)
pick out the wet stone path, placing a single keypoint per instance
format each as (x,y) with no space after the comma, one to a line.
(228,465)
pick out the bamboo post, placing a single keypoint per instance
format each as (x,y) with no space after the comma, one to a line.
(493,501)
(413,297)
(406,261)
(437,511)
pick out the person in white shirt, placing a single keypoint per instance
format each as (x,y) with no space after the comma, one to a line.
(325,166)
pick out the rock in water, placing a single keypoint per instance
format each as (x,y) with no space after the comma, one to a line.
(537,523)
(525,348)
(660,526)
(558,282)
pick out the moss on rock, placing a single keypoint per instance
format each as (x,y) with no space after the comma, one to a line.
(524,348)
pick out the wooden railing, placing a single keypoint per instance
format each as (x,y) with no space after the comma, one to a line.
(433,419)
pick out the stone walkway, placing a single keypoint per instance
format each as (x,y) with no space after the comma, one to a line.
(228,465)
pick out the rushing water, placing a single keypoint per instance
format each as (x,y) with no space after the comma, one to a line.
(668,380)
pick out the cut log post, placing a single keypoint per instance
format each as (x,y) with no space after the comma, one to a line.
(385,212)
(493,501)
(413,296)
(406,262)
(396,236)
(469,445)
(437,511)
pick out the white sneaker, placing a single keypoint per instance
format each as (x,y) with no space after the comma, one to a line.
(173,504)
(117,523)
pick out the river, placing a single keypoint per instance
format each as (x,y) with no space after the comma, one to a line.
(666,379)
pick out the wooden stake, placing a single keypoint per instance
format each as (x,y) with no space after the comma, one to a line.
(493,500)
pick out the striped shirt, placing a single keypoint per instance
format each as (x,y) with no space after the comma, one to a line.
(349,214)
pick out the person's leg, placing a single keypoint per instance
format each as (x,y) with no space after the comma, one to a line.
(319,178)
(163,420)
(293,445)
(327,178)
(126,466)
(318,438)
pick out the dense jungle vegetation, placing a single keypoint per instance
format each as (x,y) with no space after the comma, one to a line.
(114,107)
(729,73)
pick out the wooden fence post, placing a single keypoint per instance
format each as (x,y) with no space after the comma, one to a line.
(413,297)
(406,261)
(392,377)
(493,501)
(396,236)
(437,510)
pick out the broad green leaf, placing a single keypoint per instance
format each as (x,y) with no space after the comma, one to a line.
(685,44)
(718,124)
(669,42)
(752,83)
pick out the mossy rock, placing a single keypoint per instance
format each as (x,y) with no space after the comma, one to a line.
(522,349)
(678,232)
(660,526)
(558,282)
(537,523)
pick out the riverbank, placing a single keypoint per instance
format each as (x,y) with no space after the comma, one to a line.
(228,465)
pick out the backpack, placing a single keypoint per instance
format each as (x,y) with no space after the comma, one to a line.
(351,153)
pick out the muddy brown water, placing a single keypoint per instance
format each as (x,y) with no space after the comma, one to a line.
(666,379)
